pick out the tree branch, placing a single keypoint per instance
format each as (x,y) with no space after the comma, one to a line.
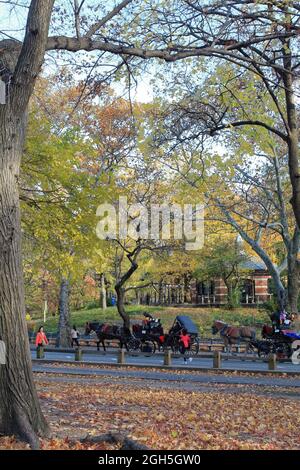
(249,122)
(142,286)
(107,18)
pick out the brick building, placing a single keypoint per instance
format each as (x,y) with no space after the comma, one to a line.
(254,289)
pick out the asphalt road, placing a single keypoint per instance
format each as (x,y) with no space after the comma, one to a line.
(157,360)
(192,378)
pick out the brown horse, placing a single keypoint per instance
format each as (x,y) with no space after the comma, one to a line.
(233,334)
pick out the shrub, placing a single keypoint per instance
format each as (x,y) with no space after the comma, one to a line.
(270,306)
(31,326)
(91,305)
(234,299)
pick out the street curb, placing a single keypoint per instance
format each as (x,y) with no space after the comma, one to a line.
(149,366)
(204,355)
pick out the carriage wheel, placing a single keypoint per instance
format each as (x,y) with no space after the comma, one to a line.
(263,353)
(133,345)
(283,350)
(148,348)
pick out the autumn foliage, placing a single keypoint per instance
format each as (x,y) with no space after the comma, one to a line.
(166,418)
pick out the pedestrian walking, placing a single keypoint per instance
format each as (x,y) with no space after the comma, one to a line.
(41,338)
(75,336)
(184,344)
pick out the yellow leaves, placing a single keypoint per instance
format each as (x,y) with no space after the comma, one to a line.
(170,418)
(160,418)
(10,442)
(251,420)
(166,418)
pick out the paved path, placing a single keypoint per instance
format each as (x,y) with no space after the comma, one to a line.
(269,391)
(162,376)
(157,360)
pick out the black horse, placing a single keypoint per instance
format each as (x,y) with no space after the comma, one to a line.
(106,331)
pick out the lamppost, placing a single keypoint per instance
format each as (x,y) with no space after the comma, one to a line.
(44,290)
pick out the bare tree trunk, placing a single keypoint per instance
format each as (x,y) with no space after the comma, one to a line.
(64,328)
(292,137)
(186,288)
(20,412)
(229,290)
(120,291)
(160,293)
(119,287)
(294,171)
(293,286)
(103,302)
(281,294)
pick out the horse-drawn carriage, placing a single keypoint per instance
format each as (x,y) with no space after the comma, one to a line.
(276,341)
(172,339)
(148,336)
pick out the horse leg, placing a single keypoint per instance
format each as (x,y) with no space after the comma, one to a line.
(103,344)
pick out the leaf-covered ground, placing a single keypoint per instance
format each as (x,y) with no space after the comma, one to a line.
(164,418)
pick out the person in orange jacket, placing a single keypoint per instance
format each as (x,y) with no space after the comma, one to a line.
(41,338)
(185,342)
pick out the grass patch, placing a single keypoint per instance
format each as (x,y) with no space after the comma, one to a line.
(203,317)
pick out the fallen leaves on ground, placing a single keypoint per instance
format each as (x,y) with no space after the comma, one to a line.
(166,419)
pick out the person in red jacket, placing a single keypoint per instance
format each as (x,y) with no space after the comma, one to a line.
(184,343)
(41,338)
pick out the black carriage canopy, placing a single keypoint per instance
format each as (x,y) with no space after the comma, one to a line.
(188,324)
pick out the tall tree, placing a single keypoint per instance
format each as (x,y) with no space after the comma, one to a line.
(20,411)
(200,30)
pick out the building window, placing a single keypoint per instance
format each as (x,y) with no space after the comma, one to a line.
(206,288)
(248,291)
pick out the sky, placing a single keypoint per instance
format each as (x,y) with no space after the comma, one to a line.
(12,24)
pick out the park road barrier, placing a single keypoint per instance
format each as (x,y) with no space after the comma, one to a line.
(78,354)
(121,356)
(217,360)
(167,358)
(272,362)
